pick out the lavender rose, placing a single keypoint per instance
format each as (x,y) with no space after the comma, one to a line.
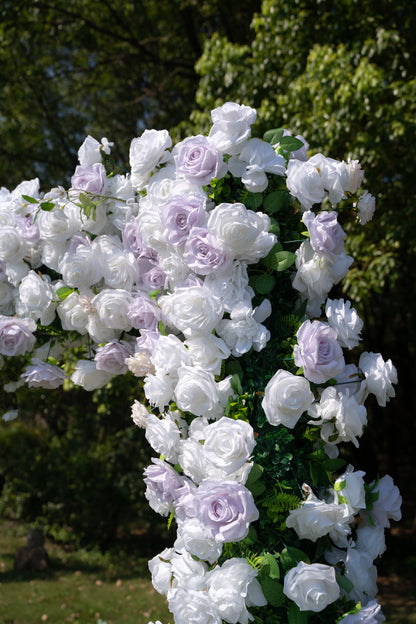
(203,254)
(112,357)
(43,375)
(92,178)
(225,508)
(198,160)
(16,336)
(163,483)
(180,214)
(326,234)
(143,313)
(318,351)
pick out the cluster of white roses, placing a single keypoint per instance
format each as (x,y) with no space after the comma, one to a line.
(152,276)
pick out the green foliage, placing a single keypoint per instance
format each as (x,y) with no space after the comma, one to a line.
(75,470)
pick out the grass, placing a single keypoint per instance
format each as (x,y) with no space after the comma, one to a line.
(88,587)
(79,587)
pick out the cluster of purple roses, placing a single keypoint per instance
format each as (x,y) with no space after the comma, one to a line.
(153,279)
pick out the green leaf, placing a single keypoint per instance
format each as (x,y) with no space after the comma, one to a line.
(290,144)
(273,592)
(315,471)
(269,567)
(291,556)
(253,200)
(162,328)
(280,260)
(275,201)
(64,292)
(275,229)
(344,583)
(29,199)
(251,536)
(236,384)
(296,616)
(338,486)
(254,474)
(273,136)
(263,284)
(332,465)
(47,206)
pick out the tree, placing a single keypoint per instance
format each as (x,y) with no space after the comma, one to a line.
(69,68)
(343,75)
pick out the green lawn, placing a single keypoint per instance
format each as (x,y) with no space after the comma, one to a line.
(79,587)
(85,587)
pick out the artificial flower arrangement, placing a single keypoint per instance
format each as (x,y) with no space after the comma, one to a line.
(205,272)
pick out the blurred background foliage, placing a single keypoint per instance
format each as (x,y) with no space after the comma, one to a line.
(341,73)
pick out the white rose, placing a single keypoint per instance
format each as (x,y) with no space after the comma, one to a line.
(286,398)
(388,505)
(112,307)
(193,311)
(36,298)
(6,299)
(314,278)
(120,270)
(146,152)
(380,376)
(314,518)
(228,444)
(345,321)
(233,587)
(12,245)
(88,376)
(139,413)
(349,488)
(366,207)
(159,389)
(163,436)
(255,160)
(193,538)
(355,176)
(371,539)
(192,459)
(99,330)
(312,587)
(370,614)
(242,331)
(161,570)
(192,606)
(231,286)
(208,352)
(169,355)
(231,126)
(305,183)
(187,572)
(242,233)
(359,569)
(140,364)
(81,269)
(52,252)
(197,392)
(58,225)
(89,152)
(73,315)
(339,414)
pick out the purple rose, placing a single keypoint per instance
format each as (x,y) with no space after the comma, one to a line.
(143,313)
(318,352)
(16,336)
(43,375)
(133,241)
(147,341)
(28,230)
(326,234)
(91,179)
(180,215)
(155,279)
(198,160)
(202,253)
(164,482)
(225,508)
(111,357)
